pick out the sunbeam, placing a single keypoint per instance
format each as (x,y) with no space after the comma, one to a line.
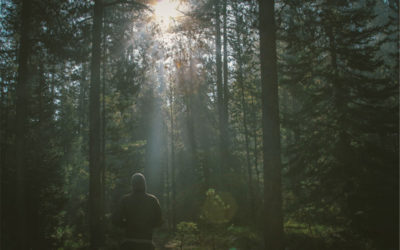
(166,11)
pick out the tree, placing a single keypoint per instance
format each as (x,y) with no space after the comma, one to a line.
(225,118)
(221,89)
(345,106)
(21,123)
(96,198)
(241,43)
(273,234)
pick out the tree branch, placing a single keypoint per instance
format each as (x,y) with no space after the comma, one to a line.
(141,5)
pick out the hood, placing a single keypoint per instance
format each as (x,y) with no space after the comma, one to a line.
(138,183)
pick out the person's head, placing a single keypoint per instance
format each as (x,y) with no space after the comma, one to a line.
(138,182)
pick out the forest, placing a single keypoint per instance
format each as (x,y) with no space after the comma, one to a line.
(258,124)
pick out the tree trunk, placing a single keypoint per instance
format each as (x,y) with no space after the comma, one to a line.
(246,136)
(255,148)
(220,97)
(21,127)
(82,100)
(173,184)
(190,116)
(96,204)
(3,144)
(225,117)
(167,186)
(273,234)
(240,79)
(103,118)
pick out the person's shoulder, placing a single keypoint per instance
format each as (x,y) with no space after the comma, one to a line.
(151,197)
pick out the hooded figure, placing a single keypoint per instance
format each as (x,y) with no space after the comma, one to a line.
(138,183)
(138,213)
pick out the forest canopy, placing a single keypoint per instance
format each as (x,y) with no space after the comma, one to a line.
(258,124)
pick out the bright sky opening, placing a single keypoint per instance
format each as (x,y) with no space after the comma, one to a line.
(165,11)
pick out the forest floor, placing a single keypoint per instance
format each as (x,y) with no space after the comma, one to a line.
(299,238)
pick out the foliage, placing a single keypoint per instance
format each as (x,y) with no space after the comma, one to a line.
(243,237)
(332,74)
(215,210)
(186,233)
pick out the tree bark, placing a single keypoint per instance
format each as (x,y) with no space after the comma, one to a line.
(225,117)
(167,186)
(103,117)
(3,144)
(240,80)
(246,136)
(255,151)
(96,203)
(82,100)
(220,97)
(21,127)
(173,184)
(190,115)
(273,234)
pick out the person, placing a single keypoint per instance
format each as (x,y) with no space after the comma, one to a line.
(138,213)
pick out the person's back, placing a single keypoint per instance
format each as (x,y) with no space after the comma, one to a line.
(138,213)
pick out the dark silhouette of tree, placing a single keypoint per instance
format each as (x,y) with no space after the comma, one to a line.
(22,96)
(273,235)
(96,199)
